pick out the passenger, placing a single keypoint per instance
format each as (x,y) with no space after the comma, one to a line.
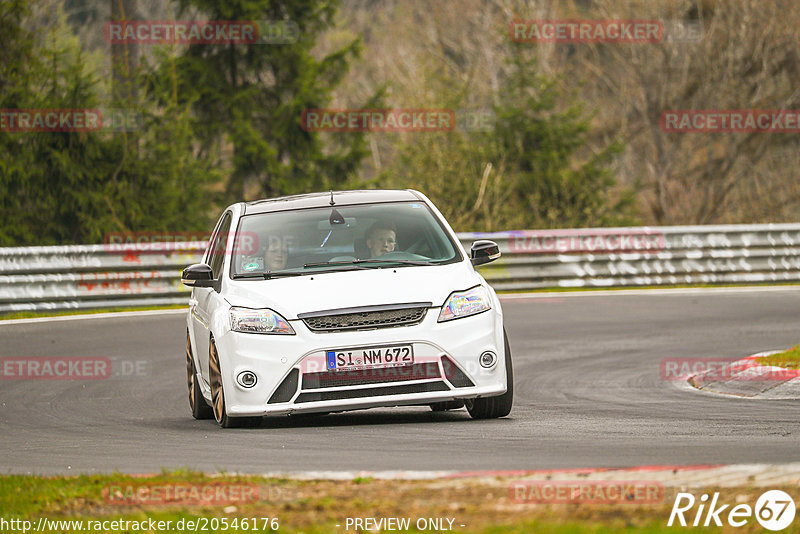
(381,238)
(276,254)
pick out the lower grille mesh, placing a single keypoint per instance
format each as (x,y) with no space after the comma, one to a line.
(455,375)
(286,390)
(330,379)
(372,392)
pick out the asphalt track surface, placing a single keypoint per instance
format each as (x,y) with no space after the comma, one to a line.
(589,393)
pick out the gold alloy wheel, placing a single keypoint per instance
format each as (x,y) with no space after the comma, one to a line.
(215,375)
(197,403)
(190,376)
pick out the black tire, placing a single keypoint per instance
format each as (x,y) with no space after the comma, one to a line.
(447,405)
(499,406)
(197,403)
(218,395)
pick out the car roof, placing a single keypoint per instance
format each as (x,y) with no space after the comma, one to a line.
(323,199)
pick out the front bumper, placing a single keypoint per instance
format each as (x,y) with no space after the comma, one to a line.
(291,374)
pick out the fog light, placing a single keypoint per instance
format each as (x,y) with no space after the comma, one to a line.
(488,359)
(247,379)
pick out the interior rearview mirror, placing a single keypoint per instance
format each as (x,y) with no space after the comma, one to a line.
(347,222)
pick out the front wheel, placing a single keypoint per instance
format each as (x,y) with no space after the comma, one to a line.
(499,406)
(197,404)
(218,394)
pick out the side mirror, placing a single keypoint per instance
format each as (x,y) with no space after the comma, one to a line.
(483,251)
(198,275)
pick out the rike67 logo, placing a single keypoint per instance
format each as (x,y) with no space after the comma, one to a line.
(774,510)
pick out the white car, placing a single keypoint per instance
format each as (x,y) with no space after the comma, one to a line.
(338,301)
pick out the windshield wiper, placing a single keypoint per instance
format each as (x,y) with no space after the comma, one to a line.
(403,262)
(266,276)
(280,274)
(359,262)
(247,275)
(329,263)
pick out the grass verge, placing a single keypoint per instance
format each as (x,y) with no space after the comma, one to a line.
(483,505)
(62,313)
(789,359)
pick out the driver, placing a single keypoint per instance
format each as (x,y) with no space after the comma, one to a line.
(381,238)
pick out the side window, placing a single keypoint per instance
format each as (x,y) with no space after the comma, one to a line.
(212,239)
(218,244)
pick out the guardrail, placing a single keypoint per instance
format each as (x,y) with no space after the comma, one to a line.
(105,276)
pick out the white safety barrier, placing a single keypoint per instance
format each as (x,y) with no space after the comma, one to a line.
(128,275)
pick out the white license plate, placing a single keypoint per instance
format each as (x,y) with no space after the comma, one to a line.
(369,357)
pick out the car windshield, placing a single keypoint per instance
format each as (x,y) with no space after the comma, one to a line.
(336,238)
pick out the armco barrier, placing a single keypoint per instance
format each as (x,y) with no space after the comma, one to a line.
(94,276)
(101,276)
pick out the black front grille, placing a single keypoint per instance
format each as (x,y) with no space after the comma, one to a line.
(372,392)
(366,318)
(330,379)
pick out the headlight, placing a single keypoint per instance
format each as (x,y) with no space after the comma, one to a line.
(259,322)
(465,303)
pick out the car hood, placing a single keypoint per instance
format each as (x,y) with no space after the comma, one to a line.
(311,293)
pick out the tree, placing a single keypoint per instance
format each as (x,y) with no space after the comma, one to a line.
(75,187)
(734,55)
(17,61)
(533,170)
(542,138)
(251,97)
